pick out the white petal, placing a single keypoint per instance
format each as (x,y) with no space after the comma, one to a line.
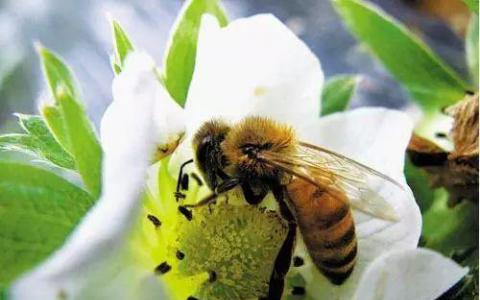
(409,274)
(253,66)
(378,138)
(96,260)
(138,80)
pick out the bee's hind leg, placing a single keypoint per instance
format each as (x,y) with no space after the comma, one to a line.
(284,257)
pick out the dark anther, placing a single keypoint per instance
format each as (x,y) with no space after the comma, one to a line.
(471,93)
(441,134)
(298,290)
(184,211)
(184,183)
(180,255)
(163,268)
(179,195)
(155,221)
(298,261)
(212,276)
(197,179)
(192,298)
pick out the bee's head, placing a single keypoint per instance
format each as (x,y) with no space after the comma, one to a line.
(207,150)
(250,139)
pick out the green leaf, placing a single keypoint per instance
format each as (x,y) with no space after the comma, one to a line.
(122,46)
(49,147)
(38,142)
(57,73)
(471,47)
(83,142)
(34,146)
(38,210)
(472,5)
(417,180)
(430,82)
(54,120)
(337,93)
(180,54)
(450,230)
(69,123)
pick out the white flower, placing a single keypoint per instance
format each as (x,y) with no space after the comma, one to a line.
(96,262)
(254,66)
(409,274)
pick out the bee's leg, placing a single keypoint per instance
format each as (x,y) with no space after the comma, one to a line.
(182,181)
(224,187)
(254,193)
(284,257)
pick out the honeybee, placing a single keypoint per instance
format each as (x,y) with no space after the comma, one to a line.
(315,189)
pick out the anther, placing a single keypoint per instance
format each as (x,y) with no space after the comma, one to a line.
(212,276)
(163,268)
(184,211)
(298,261)
(192,298)
(298,290)
(155,221)
(180,255)
(441,134)
(184,182)
(179,195)
(197,179)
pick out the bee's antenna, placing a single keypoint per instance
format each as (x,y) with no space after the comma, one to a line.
(182,183)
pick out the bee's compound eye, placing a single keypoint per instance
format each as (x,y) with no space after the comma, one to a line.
(250,150)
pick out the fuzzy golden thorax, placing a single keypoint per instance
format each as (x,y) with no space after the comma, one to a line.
(244,144)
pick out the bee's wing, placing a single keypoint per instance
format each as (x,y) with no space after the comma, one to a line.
(366,188)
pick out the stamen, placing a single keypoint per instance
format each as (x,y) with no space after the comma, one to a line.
(179,195)
(197,178)
(155,221)
(180,255)
(298,261)
(192,298)
(185,181)
(163,268)
(184,211)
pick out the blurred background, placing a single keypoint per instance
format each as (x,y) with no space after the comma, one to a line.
(79,31)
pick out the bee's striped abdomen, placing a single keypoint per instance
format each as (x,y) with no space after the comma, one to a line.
(326,223)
